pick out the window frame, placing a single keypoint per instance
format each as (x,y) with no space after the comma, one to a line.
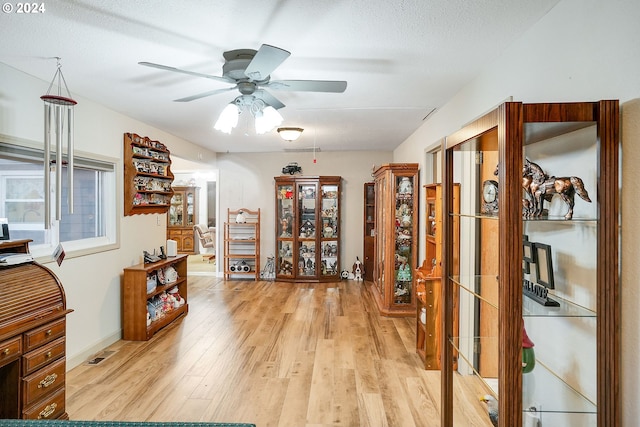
(77,248)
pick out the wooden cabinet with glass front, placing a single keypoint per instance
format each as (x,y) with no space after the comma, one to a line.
(534,279)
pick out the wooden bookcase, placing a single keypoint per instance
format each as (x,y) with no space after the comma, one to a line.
(137,293)
(182,217)
(369,238)
(308,228)
(576,376)
(242,244)
(147,176)
(32,340)
(396,192)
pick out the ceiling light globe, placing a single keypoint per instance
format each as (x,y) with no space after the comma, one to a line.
(228,118)
(290,134)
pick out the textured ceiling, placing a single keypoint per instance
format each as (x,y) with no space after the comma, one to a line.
(401,59)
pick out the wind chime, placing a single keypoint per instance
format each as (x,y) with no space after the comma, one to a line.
(58,127)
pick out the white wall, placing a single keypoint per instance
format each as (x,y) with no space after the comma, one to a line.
(246,180)
(92,282)
(582,50)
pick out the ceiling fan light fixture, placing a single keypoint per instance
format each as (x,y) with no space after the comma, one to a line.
(289,133)
(228,118)
(267,119)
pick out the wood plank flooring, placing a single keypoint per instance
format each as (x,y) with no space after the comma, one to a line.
(268,353)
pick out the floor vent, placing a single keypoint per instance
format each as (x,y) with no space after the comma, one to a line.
(99,358)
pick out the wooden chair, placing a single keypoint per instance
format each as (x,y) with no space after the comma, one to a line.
(207,237)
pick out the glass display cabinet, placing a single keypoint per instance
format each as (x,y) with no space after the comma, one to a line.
(534,279)
(396,201)
(369,232)
(308,228)
(181,218)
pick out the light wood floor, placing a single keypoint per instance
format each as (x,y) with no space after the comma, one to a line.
(269,353)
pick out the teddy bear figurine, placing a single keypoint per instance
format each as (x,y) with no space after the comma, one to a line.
(178,301)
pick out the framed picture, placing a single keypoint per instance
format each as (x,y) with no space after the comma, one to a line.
(528,254)
(544,265)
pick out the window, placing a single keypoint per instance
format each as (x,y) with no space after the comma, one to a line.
(92,225)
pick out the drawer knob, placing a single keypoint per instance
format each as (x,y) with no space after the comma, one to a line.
(5,351)
(48,354)
(48,333)
(48,380)
(48,410)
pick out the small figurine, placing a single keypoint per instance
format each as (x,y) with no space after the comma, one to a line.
(178,300)
(307,229)
(291,168)
(358,269)
(286,267)
(528,354)
(405,186)
(240,218)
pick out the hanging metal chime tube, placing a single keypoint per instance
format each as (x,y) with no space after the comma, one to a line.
(58,118)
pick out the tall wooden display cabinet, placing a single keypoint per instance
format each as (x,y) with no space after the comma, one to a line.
(308,228)
(535,277)
(396,201)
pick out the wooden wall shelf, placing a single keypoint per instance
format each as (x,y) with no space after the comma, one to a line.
(147,176)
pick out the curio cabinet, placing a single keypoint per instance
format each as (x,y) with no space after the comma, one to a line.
(533,277)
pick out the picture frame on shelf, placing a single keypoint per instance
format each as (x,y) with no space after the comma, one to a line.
(528,254)
(544,265)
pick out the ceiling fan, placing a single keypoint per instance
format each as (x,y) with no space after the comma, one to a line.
(249,71)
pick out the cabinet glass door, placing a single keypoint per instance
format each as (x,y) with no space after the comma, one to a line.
(381,193)
(176,213)
(307,229)
(370,211)
(286,223)
(404,235)
(560,247)
(473,280)
(190,206)
(330,230)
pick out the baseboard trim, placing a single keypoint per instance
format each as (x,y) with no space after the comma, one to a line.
(84,355)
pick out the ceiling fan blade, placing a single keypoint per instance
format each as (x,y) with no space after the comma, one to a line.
(191,73)
(308,85)
(203,95)
(268,98)
(267,59)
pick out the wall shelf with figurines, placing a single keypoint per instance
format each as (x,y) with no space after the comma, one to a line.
(147,175)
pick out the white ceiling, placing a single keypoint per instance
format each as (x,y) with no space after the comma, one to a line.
(401,59)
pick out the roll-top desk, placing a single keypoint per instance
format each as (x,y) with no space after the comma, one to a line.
(32,339)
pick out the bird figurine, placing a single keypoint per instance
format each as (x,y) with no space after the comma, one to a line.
(492,408)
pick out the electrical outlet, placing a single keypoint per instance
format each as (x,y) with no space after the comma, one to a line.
(158,220)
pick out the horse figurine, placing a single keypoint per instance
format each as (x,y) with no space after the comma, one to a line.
(540,187)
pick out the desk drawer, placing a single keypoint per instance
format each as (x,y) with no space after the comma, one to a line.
(10,349)
(43,382)
(46,354)
(44,334)
(48,409)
